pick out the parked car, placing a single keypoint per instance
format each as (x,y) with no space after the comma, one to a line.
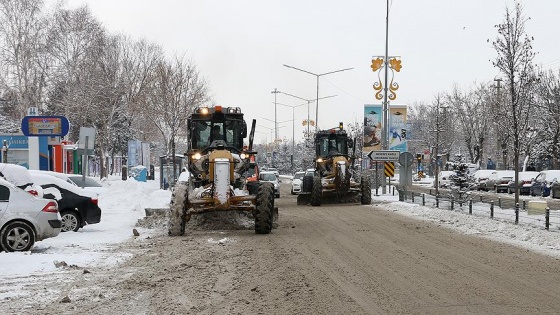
(498,180)
(481,176)
(542,183)
(297,182)
(25,219)
(524,183)
(271,178)
(75,180)
(19,176)
(443,178)
(77,206)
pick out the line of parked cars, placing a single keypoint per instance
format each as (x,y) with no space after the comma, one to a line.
(35,205)
(544,183)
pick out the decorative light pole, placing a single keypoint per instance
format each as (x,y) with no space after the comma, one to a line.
(393,64)
(317,99)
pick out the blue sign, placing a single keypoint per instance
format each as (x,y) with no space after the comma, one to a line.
(45,126)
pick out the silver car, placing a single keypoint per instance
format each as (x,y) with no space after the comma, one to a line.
(270,177)
(25,219)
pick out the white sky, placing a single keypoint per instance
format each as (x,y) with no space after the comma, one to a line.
(240,47)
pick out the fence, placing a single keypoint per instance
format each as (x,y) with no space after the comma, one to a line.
(493,208)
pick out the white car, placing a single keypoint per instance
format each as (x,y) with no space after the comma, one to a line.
(297,182)
(25,219)
(481,177)
(19,176)
(443,178)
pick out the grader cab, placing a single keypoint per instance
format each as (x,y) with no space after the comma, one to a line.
(218,163)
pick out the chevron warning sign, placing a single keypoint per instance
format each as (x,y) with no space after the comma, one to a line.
(389,169)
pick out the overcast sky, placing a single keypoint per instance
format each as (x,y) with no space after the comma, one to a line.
(240,47)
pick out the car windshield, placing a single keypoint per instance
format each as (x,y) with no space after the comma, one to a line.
(298,175)
(268,177)
(78,180)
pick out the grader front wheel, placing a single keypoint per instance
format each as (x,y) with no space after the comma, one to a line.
(177,219)
(264,209)
(316,191)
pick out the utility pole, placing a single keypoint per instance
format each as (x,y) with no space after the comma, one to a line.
(499,146)
(275,115)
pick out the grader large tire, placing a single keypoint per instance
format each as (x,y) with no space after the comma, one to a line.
(307,184)
(365,190)
(176,220)
(264,209)
(316,192)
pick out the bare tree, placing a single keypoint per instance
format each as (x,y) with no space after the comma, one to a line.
(21,47)
(471,115)
(548,104)
(176,89)
(514,60)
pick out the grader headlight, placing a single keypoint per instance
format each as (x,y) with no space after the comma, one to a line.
(196,156)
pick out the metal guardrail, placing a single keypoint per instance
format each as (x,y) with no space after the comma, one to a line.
(508,209)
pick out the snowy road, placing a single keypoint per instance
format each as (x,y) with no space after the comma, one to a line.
(333,259)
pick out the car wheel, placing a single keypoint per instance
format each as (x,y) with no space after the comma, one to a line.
(70,221)
(17,237)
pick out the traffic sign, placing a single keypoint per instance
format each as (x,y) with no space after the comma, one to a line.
(384,155)
(406,159)
(389,169)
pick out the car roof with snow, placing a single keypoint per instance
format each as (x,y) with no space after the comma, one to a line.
(44,179)
(15,174)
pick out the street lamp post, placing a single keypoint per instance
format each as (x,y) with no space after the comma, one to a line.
(317,99)
(275,114)
(308,101)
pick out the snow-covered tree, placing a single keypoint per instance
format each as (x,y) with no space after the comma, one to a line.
(515,61)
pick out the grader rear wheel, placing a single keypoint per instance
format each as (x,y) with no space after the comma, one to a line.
(365,189)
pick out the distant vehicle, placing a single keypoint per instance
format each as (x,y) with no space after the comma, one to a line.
(542,183)
(271,177)
(481,177)
(273,170)
(524,184)
(19,176)
(498,181)
(443,178)
(78,207)
(297,182)
(25,219)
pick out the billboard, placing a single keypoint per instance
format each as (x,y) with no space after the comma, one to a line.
(397,131)
(372,127)
(397,128)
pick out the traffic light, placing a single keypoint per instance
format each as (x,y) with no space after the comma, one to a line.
(340,125)
(419,157)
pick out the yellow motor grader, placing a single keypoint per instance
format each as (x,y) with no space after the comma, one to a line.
(218,163)
(332,179)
